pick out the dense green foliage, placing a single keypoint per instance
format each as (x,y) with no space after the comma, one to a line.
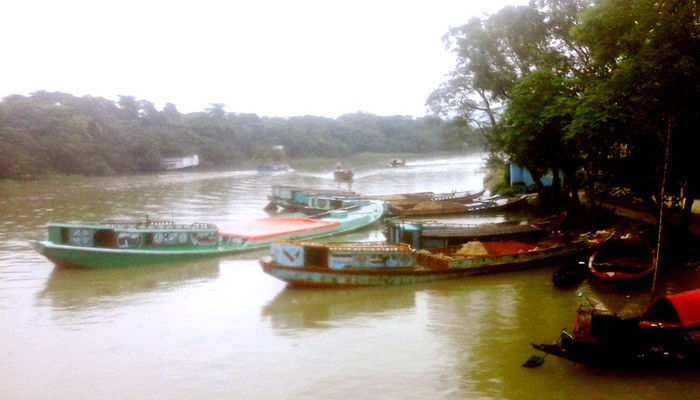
(594,89)
(57,133)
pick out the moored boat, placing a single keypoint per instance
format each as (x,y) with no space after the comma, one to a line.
(383,264)
(296,198)
(665,336)
(425,234)
(571,274)
(120,244)
(424,208)
(318,200)
(627,259)
(464,196)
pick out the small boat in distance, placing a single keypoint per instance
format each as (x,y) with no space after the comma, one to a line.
(397,162)
(666,336)
(342,174)
(174,163)
(130,243)
(385,264)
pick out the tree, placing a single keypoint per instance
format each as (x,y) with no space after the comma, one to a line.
(648,53)
(516,80)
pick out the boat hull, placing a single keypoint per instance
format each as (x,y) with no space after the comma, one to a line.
(432,208)
(322,277)
(622,261)
(632,351)
(80,246)
(429,267)
(666,336)
(95,257)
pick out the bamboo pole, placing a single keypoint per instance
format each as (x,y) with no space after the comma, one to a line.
(662,205)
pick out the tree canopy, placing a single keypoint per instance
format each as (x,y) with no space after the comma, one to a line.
(587,88)
(57,133)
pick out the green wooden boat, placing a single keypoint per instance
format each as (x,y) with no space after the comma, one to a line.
(131,243)
(385,264)
(321,200)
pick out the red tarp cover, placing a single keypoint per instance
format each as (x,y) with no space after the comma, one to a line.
(504,247)
(266,228)
(687,305)
(681,308)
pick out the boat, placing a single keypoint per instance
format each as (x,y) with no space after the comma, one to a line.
(451,207)
(626,259)
(175,163)
(571,274)
(342,174)
(397,162)
(311,201)
(666,336)
(129,243)
(319,200)
(426,234)
(301,263)
(400,199)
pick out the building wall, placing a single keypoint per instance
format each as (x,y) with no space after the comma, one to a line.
(522,175)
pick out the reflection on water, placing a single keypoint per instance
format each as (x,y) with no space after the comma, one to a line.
(224,329)
(87,288)
(296,309)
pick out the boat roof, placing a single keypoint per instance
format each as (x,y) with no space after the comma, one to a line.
(682,307)
(265,228)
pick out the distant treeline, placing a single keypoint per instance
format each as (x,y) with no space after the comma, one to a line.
(49,133)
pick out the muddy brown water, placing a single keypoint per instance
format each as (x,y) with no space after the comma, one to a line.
(222,329)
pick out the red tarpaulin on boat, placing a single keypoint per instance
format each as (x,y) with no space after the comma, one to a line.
(504,247)
(687,305)
(266,228)
(684,306)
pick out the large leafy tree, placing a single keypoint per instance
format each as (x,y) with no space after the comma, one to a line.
(492,54)
(600,86)
(647,95)
(516,76)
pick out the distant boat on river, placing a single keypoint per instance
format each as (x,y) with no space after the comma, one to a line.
(342,174)
(180,162)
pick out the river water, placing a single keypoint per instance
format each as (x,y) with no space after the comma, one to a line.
(222,329)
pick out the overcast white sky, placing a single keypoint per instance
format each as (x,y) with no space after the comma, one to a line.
(268,57)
